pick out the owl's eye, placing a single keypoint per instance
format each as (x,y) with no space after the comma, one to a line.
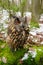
(17,21)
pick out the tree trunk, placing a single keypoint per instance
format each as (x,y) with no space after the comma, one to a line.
(36,9)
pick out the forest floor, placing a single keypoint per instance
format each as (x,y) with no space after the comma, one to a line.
(7,57)
(34,54)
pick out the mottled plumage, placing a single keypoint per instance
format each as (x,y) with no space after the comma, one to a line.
(18,33)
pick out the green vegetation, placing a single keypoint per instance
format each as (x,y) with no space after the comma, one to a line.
(38,60)
(7,57)
(34,23)
(12,57)
(39,56)
(12,6)
(29,61)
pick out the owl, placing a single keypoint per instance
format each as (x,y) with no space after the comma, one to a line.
(18,32)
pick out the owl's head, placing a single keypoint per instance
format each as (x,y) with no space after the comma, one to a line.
(20,21)
(16,20)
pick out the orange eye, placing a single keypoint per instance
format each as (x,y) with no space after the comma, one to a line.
(16,21)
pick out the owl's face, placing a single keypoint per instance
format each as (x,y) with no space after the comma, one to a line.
(16,23)
(19,22)
(16,20)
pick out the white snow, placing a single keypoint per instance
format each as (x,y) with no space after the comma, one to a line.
(25,57)
(5,25)
(34,31)
(5,16)
(41,28)
(3,19)
(33,53)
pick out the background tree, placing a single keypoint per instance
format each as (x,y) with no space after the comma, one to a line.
(37,8)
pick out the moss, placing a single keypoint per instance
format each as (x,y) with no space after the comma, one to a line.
(38,60)
(39,55)
(12,57)
(34,23)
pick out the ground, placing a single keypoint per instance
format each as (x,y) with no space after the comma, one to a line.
(33,54)
(7,57)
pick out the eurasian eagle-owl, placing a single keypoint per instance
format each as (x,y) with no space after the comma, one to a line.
(18,32)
